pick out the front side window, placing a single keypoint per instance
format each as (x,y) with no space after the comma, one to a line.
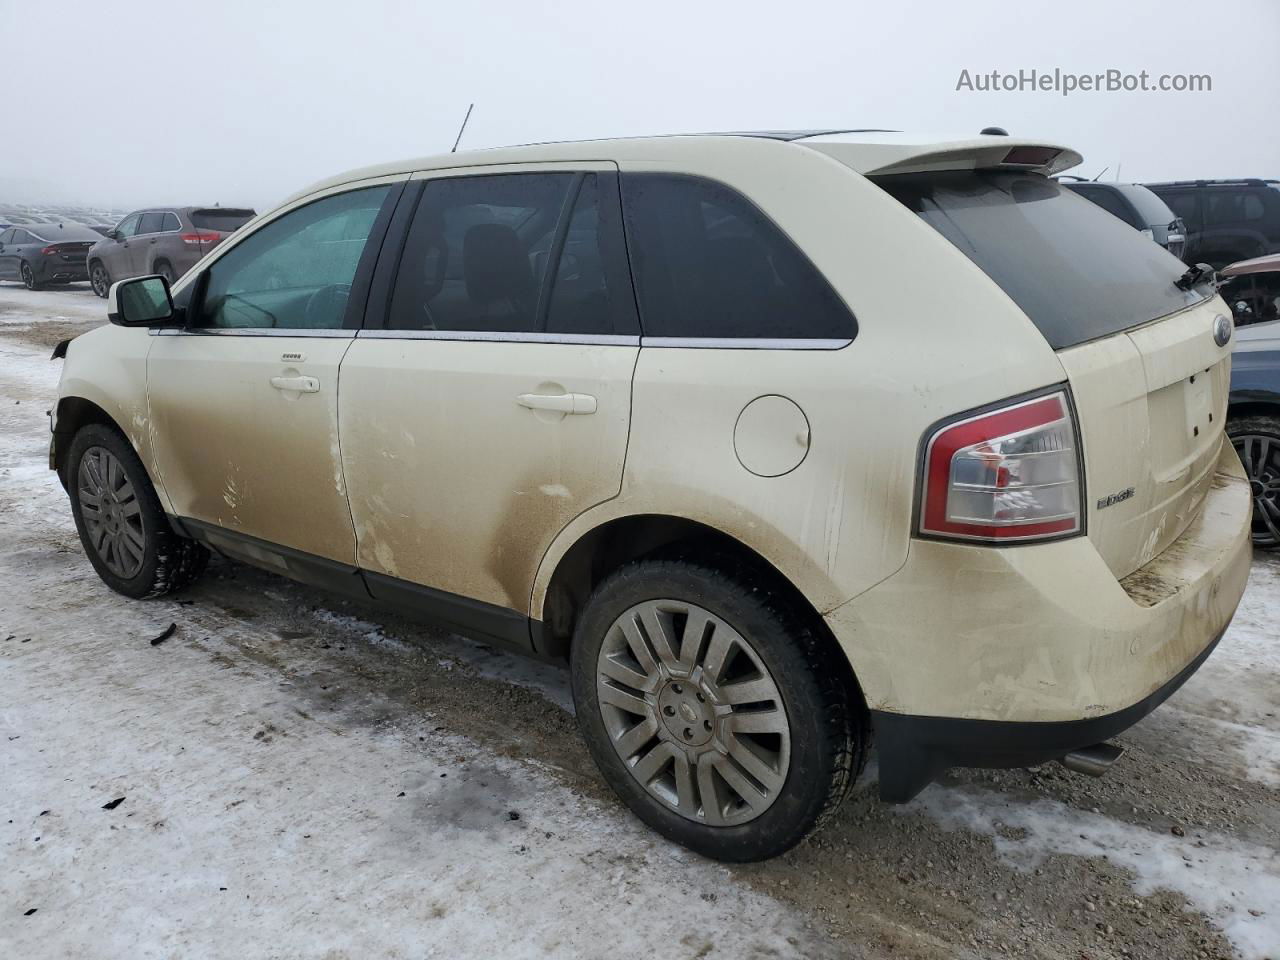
(526,253)
(1185,207)
(128,227)
(709,264)
(295,272)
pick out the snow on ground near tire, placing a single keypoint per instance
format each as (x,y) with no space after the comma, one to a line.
(236,775)
(247,828)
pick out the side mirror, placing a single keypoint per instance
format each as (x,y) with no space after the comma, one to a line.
(140,302)
(113,234)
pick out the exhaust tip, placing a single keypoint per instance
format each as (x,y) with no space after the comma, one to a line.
(1092,761)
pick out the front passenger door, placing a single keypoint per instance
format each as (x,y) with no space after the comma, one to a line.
(120,258)
(244,397)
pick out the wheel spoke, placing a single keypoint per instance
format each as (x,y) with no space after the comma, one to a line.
(696,625)
(758,721)
(621,673)
(717,653)
(754,764)
(655,625)
(686,789)
(749,691)
(621,699)
(653,762)
(739,782)
(709,792)
(639,647)
(629,744)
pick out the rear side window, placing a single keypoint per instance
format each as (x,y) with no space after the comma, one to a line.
(151,223)
(525,253)
(1077,272)
(709,264)
(1232,206)
(224,220)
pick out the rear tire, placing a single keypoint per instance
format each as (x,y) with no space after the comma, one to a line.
(721,772)
(29,278)
(122,527)
(1257,441)
(163,269)
(99,279)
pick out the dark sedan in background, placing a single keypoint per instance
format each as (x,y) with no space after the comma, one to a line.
(40,254)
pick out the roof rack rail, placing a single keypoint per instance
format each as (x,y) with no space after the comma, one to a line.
(1236,181)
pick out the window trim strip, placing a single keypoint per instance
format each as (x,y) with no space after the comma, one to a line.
(486,336)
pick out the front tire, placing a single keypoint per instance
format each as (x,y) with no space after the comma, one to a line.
(29,278)
(714,711)
(122,527)
(1257,441)
(99,279)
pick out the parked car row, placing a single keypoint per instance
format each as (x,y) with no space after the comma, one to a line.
(164,241)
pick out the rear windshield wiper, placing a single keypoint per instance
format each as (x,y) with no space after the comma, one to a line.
(1194,276)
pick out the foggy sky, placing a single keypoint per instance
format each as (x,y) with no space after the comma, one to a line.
(139,102)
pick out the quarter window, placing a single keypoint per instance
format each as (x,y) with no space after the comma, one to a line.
(295,272)
(518,254)
(708,263)
(170,223)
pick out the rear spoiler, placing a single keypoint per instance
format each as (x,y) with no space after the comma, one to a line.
(880,156)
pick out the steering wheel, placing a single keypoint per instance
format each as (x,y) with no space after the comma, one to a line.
(326,305)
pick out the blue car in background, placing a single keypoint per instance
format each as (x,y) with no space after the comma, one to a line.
(1252,288)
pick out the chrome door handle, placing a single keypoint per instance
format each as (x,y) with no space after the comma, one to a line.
(298,384)
(578,403)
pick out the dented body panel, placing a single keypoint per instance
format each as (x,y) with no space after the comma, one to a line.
(1046,633)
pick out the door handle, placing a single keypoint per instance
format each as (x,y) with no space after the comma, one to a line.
(578,403)
(298,384)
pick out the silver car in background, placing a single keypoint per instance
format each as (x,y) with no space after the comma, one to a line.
(162,240)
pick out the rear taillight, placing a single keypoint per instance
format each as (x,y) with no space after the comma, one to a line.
(1010,474)
(49,250)
(201,239)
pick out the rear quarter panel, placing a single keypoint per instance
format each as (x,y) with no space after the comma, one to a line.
(936,337)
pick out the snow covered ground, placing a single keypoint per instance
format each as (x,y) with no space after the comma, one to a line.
(301,777)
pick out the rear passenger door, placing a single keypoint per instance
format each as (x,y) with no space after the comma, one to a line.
(486,403)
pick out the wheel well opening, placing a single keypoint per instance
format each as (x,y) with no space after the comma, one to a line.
(613,545)
(73,414)
(1253,408)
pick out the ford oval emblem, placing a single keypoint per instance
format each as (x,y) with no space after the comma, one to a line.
(1221,330)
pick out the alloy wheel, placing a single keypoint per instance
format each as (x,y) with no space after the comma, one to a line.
(98,280)
(693,712)
(1260,455)
(111,512)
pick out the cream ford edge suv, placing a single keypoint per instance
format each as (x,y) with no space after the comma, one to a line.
(780,440)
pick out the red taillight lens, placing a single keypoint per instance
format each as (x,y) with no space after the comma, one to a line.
(49,251)
(1011,474)
(201,239)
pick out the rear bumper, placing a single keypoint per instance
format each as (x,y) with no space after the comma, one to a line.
(915,750)
(1003,657)
(63,270)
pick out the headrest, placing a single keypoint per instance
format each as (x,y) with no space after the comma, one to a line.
(494,264)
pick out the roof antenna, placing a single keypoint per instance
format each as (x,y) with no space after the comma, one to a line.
(1117,173)
(462,128)
(1100,173)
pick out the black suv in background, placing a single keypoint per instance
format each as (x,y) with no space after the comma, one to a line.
(1136,206)
(1227,220)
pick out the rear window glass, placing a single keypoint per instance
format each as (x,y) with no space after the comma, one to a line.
(219,219)
(1076,271)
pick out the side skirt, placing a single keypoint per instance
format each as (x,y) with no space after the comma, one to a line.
(472,618)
